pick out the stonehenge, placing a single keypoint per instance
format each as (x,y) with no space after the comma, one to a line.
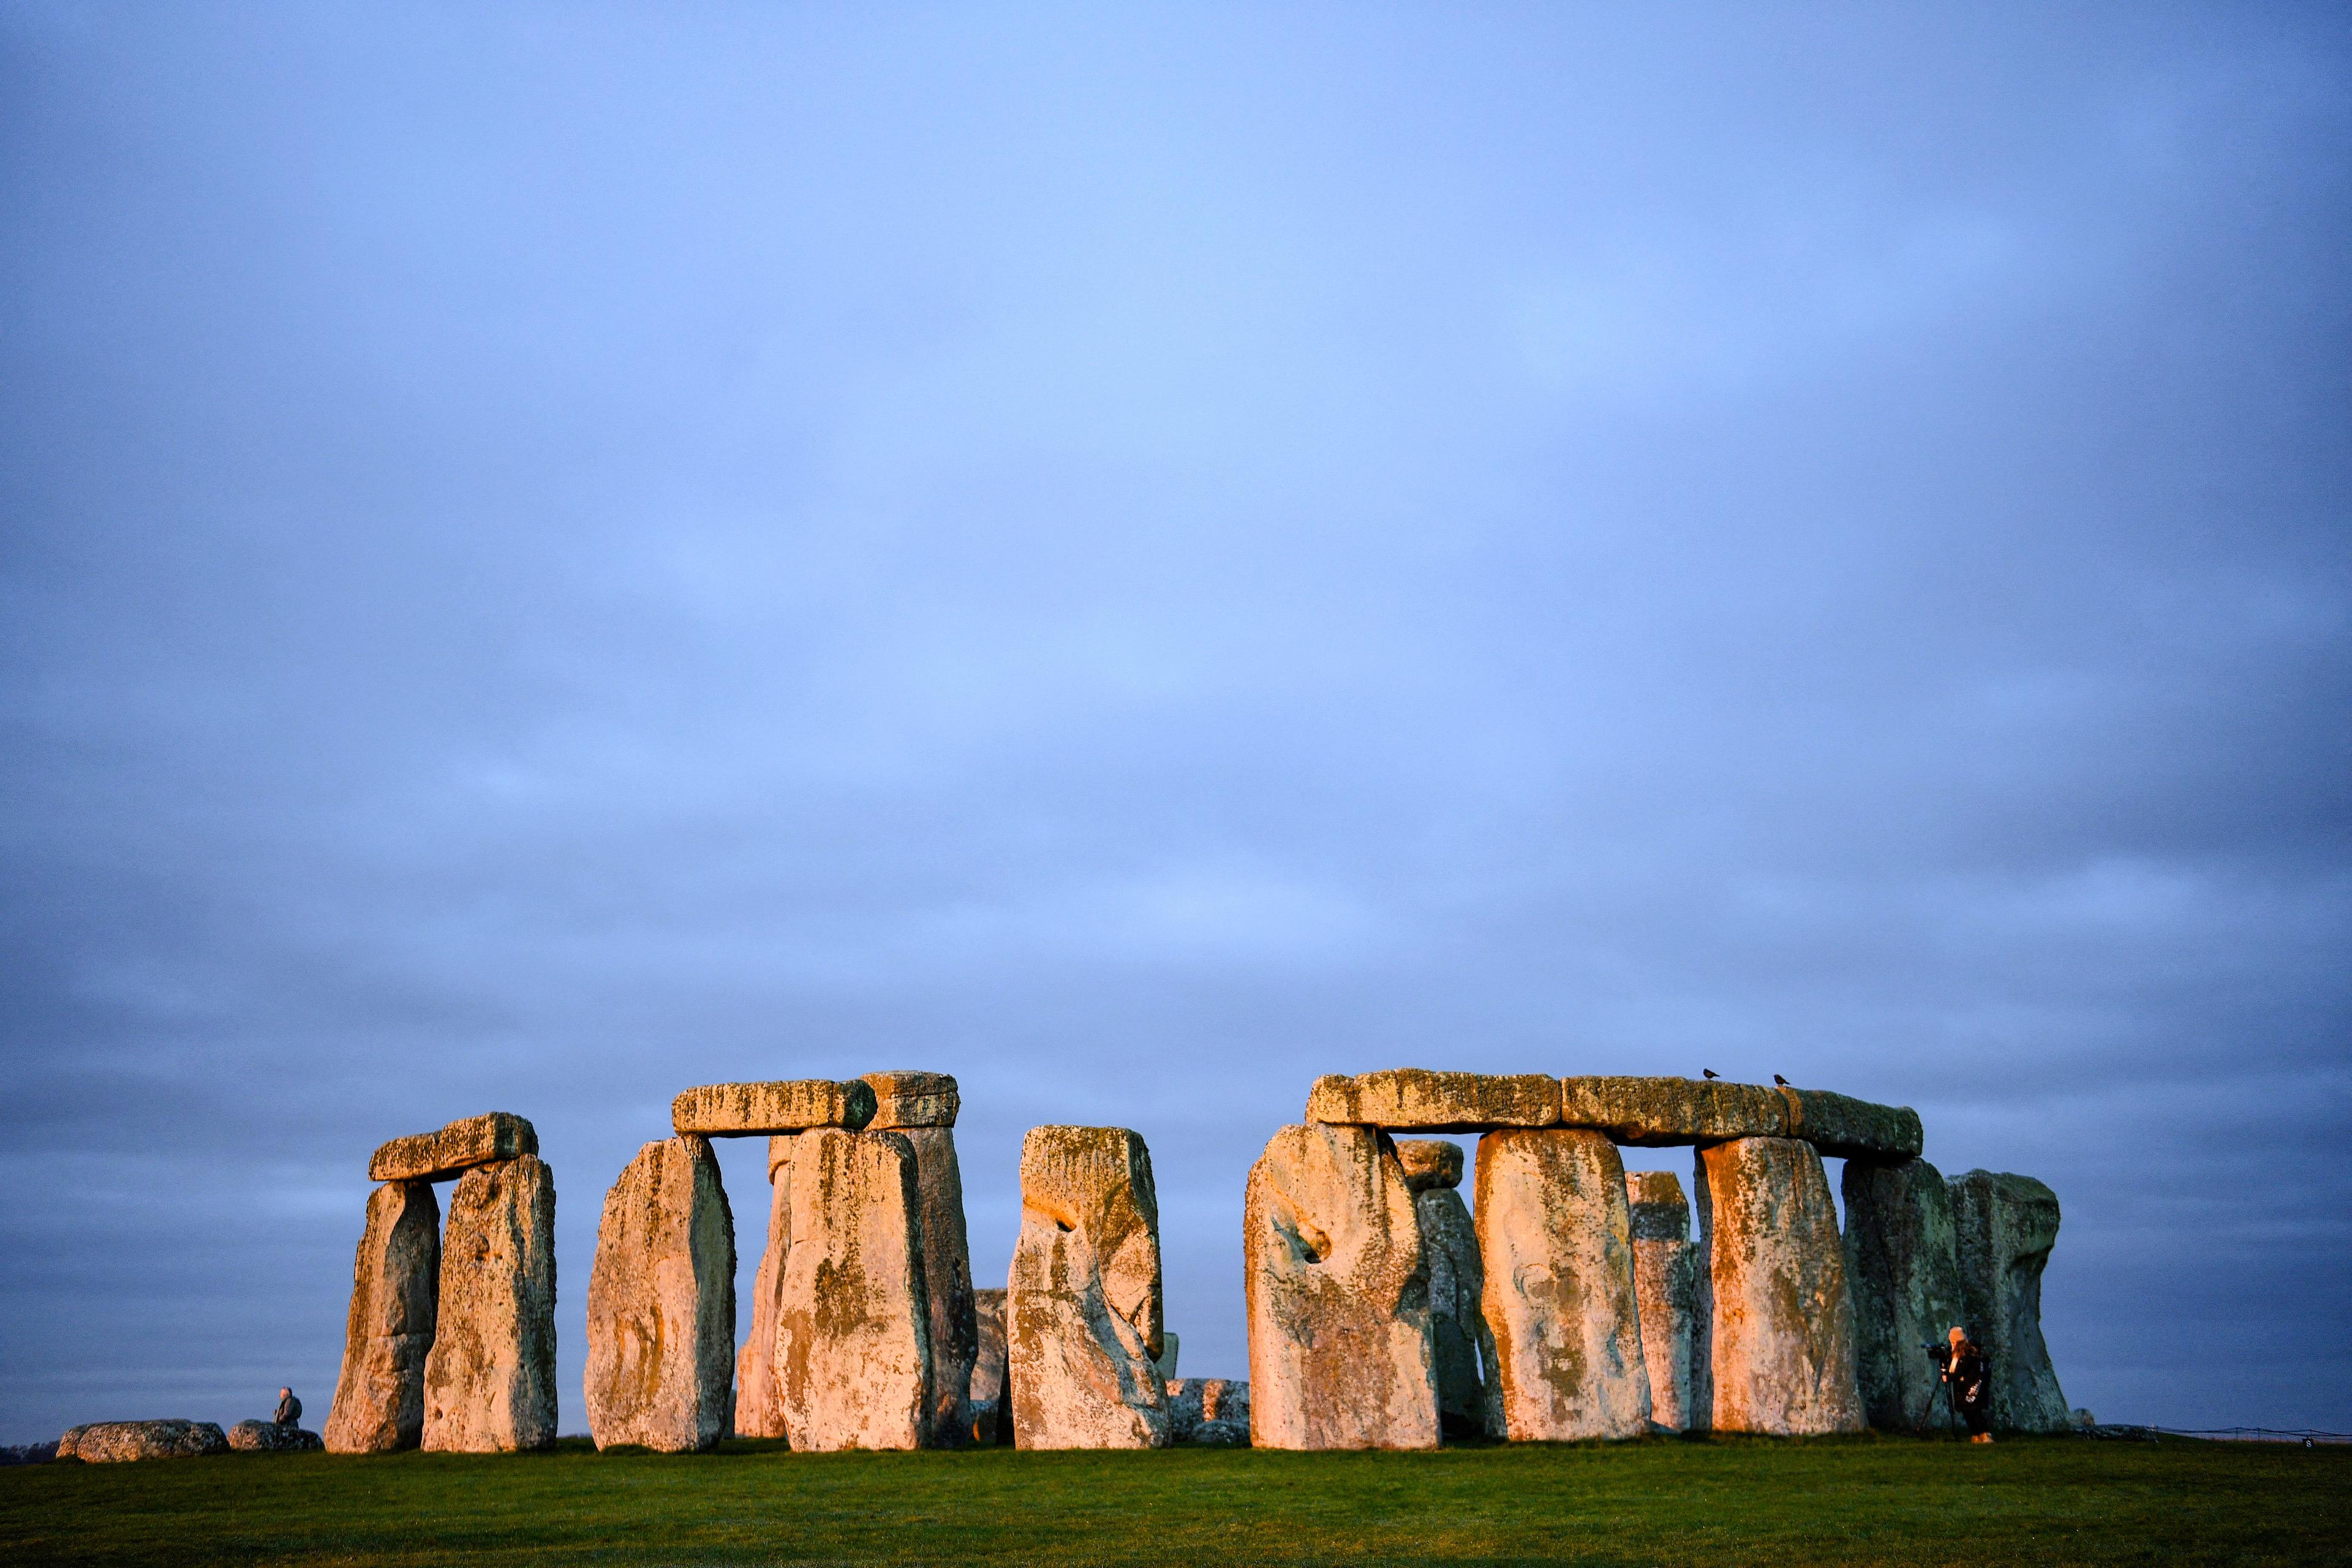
(1903,1259)
(489,1378)
(1569,1300)
(1776,1324)
(1341,1352)
(1666,1289)
(116,1442)
(1083,1328)
(1460,1342)
(450,1341)
(395,1295)
(2005,1227)
(661,1303)
(1555,1236)
(853,1347)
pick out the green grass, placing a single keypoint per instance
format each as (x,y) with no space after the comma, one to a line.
(1724,1502)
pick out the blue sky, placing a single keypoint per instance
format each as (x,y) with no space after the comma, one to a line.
(549,555)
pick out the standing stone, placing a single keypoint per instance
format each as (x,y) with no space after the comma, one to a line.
(1555,1239)
(1337,1291)
(396,1289)
(1460,1342)
(922,1106)
(992,1413)
(1665,1285)
(1777,1352)
(661,1303)
(2006,1227)
(758,1407)
(1902,1257)
(1209,1412)
(853,1353)
(489,1380)
(1083,1305)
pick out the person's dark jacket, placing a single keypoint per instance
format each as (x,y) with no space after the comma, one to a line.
(1970,1375)
(289,1412)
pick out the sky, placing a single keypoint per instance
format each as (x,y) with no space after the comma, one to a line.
(1137,556)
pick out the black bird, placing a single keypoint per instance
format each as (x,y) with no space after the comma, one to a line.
(1710,1072)
(1778,1079)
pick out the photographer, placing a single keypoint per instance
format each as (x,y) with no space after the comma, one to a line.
(1967,1380)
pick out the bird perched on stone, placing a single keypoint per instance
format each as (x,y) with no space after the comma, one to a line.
(1710,1072)
(1778,1079)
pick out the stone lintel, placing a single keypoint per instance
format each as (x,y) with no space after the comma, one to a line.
(749,1109)
(455,1150)
(1420,1101)
(912,1100)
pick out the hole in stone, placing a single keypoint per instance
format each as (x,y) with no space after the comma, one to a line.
(1065,1229)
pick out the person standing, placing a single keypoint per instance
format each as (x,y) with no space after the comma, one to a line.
(289,1409)
(1970,1377)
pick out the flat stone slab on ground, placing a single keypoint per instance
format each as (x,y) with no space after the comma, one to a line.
(1419,1099)
(456,1149)
(116,1442)
(904,1100)
(273,1438)
(787,1105)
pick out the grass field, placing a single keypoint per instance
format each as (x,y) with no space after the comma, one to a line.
(1721,1501)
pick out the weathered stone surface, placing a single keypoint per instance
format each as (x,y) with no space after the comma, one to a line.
(1556,1241)
(1166,1360)
(116,1442)
(1843,1127)
(490,1379)
(946,1277)
(2006,1227)
(1776,1324)
(903,1099)
(1672,1112)
(661,1303)
(1666,1287)
(1338,1293)
(852,1354)
(992,1412)
(1903,1263)
(1461,1347)
(1430,1101)
(458,1147)
(1430,1163)
(758,1407)
(1209,1412)
(395,1292)
(749,1109)
(273,1438)
(1082,1306)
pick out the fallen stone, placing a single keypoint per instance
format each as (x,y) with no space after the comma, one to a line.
(1555,1239)
(853,1355)
(1843,1127)
(1902,1259)
(1338,1293)
(992,1413)
(457,1148)
(2006,1227)
(661,1304)
(1209,1412)
(1468,1402)
(903,1099)
(947,1275)
(1082,1306)
(758,1407)
(118,1442)
(1430,1163)
(1666,1287)
(1776,1321)
(750,1109)
(273,1438)
(27,1453)
(490,1379)
(1430,1101)
(395,1294)
(1672,1112)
